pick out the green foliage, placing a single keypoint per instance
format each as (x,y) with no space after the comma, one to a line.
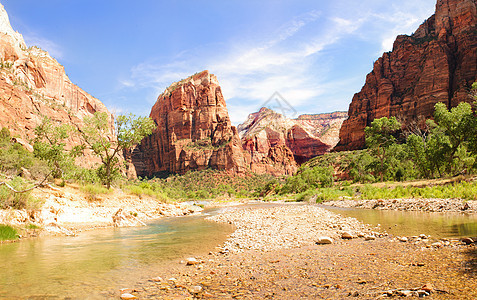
(129,130)
(9,199)
(49,145)
(94,190)
(15,159)
(308,178)
(202,185)
(379,137)
(8,233)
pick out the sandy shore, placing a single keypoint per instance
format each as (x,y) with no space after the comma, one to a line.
(273,255)
(67,211)
(429,205)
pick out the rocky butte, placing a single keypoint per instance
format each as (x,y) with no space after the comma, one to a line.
(33,85)
(438,63)
(193,132)
(276,144)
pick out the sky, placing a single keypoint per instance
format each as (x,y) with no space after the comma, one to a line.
(313,53)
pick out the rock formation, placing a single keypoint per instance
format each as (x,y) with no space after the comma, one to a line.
(33,85)
(438,63)
(193,132)
(277,145)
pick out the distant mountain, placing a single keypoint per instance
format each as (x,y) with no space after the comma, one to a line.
(277,144)
(438,63)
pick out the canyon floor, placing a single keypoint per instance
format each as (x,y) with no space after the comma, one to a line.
(273,254)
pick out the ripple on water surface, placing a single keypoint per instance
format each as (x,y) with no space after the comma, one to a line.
(96,262)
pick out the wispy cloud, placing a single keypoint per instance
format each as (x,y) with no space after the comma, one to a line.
(292,60)
(54,49)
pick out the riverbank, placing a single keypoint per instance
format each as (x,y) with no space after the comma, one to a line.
(428,205)
(274,254)
(68,210)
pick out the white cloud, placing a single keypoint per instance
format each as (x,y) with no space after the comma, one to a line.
(53,48)
(251,70)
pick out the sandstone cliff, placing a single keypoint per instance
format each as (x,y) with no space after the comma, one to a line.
(438,63)
(277,145)
(193,132)
(34,85)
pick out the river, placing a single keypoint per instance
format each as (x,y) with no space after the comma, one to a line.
(95,264)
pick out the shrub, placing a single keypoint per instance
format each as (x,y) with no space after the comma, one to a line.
(93,190)
(8,233)
(10,199)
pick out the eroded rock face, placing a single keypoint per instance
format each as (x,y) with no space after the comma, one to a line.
(33,85)
(277,145)
(193,132)
(438,63)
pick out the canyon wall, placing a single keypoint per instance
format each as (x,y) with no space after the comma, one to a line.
(33,85)
(438,63)
(193,132)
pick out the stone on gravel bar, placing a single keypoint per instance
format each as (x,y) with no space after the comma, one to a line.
(346,236)
(403,239)
(127,296)
(191,261)
(467,241)
(369,238)
(324,240)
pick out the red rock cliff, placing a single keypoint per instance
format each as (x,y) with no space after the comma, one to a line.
(34,85)
(276,144)
(438,63)
(193,132)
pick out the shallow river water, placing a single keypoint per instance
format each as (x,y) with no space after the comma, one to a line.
(94,263)
(409,223)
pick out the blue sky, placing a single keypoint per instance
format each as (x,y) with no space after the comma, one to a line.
(315,53)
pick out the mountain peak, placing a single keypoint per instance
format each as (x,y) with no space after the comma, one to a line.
(6,28)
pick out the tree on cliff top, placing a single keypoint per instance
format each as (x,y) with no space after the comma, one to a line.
(128,131)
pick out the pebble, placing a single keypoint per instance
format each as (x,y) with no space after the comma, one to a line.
(428,288)
(156,279)
(467,241)
(127,296)
(324,240)
(403,239)
(346,236)
(195,289)
(126,291)
(191,261)
(369,237)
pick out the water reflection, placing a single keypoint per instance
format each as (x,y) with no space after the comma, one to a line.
(103,259)
(409,223)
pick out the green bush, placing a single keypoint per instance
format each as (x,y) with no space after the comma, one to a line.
(9,199)
(308,178)
(8,233)
(93,190)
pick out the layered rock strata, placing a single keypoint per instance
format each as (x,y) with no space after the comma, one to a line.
(33,85)
(438,63)
(193,132)
(277,145)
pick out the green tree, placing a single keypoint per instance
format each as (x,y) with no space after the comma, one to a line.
(49,145)
(128,131)
(379,136)
(456,125)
